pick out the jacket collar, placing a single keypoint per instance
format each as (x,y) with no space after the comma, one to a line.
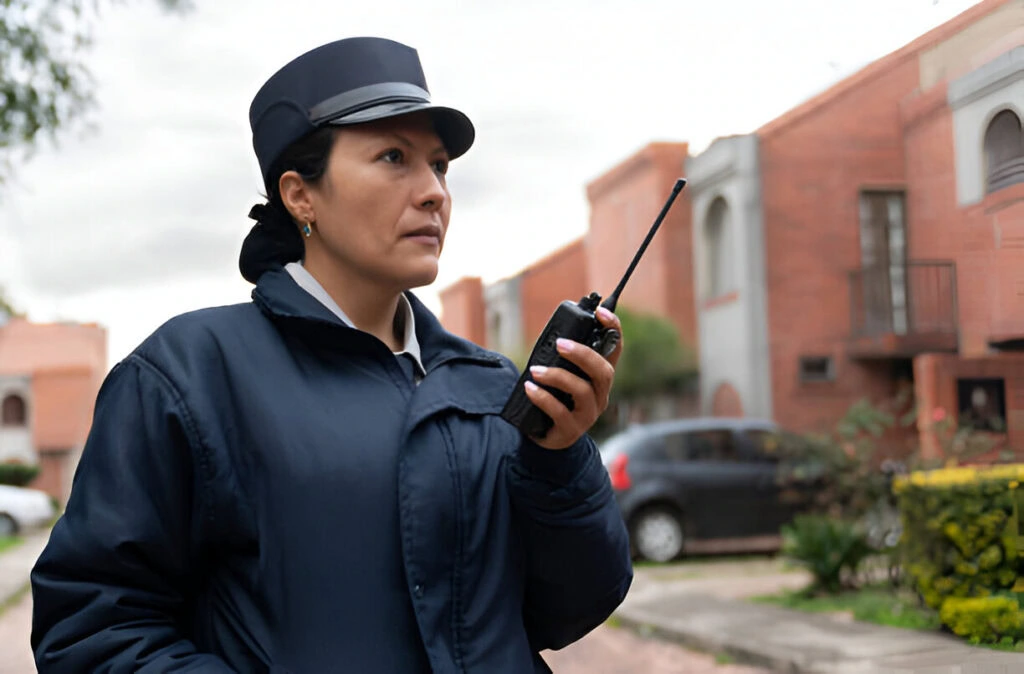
(280,297)
(404,320)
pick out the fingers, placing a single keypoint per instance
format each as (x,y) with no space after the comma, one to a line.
(599,370)
(564,421)
(582,394)
(609,320)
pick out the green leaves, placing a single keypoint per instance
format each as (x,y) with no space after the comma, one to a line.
(45,85)
(831,550)
(654,361)
(7,307)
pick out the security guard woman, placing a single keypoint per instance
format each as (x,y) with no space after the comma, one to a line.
(319,480)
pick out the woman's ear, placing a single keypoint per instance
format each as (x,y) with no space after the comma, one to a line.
(296,196)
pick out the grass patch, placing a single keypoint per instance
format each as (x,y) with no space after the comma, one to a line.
(877,604)
(8,542)
(724,659)
(1007,645)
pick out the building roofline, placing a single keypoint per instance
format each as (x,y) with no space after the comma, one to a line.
(649,153)
(882,65)
(457,283)
(551,257)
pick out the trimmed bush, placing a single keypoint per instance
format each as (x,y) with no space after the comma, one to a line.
(831,550)
(960,541)
(17,474)
(986,620)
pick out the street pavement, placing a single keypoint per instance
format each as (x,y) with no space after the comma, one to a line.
(608,650)
(15,630)
(706,611)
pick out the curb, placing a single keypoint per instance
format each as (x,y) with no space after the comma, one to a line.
(934,657)
(739,652)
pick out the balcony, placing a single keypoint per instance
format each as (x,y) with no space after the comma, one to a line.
(903,310)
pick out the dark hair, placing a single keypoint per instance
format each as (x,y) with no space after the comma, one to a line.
(275,240)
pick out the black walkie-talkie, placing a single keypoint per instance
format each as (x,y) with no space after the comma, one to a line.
(575,321)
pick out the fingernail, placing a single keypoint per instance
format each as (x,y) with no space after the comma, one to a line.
(605,313)
(530,386)
(565,345)
(538,370)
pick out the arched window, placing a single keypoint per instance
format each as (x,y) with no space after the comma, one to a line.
(1004,152)
(718,239)
(13,411)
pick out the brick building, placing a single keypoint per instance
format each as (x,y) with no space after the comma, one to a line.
(508,315)
(867,238)
(50,375)
(870,238)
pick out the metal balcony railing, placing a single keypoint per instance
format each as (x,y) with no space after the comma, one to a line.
(913,299)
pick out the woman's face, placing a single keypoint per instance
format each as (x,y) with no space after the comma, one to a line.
(381,211)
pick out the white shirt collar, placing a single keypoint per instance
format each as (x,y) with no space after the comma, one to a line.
(306,281)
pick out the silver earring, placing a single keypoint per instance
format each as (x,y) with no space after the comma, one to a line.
(307,230)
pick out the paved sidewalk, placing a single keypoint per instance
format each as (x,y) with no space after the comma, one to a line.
(708,614)
(17,563)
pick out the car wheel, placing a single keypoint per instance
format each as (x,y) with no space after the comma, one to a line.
(8,527)
(658,535)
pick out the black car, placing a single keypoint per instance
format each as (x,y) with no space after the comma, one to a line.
(701,485)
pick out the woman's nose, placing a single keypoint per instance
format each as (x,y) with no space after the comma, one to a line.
(432,192)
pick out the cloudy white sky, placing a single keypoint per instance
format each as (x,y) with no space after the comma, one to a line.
(143,218)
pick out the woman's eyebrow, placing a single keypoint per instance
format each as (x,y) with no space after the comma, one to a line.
(408,143)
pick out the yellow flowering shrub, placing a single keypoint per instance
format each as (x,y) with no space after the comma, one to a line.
(961,528)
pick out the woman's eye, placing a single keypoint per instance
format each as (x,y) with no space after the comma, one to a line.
(393,155)
(441,166)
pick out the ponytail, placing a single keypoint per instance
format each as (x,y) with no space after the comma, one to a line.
(273,242)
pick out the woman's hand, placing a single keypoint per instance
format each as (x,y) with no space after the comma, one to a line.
(590,399)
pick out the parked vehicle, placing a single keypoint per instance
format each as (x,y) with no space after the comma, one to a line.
(701,485)
(23,509)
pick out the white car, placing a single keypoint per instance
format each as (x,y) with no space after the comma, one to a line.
(23,509)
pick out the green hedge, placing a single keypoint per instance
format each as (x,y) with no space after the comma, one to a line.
(989,620)
(960,541)
(17,474)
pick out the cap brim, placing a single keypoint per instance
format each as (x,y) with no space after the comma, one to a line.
(454,127)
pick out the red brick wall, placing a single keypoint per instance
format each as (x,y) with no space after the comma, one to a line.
(986,240)
(813,167)
(936,378)
(624,203)
(462,309)
(560,276)
(54,474)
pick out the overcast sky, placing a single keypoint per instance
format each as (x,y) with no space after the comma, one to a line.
(143,218)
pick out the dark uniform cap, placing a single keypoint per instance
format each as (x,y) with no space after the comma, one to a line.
(347,82)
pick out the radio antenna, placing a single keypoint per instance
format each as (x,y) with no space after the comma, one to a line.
(613,299)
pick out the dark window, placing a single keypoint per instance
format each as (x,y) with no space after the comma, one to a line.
(883,255)
(711,445)
(661,448)
(1004,151)
(763,446)
(816,368)
(674,447)
(718,232)
(981,404)
(13,411)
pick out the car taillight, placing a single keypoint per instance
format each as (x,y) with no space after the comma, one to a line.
(617,472)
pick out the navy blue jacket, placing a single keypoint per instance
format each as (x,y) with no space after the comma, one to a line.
(265,489)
